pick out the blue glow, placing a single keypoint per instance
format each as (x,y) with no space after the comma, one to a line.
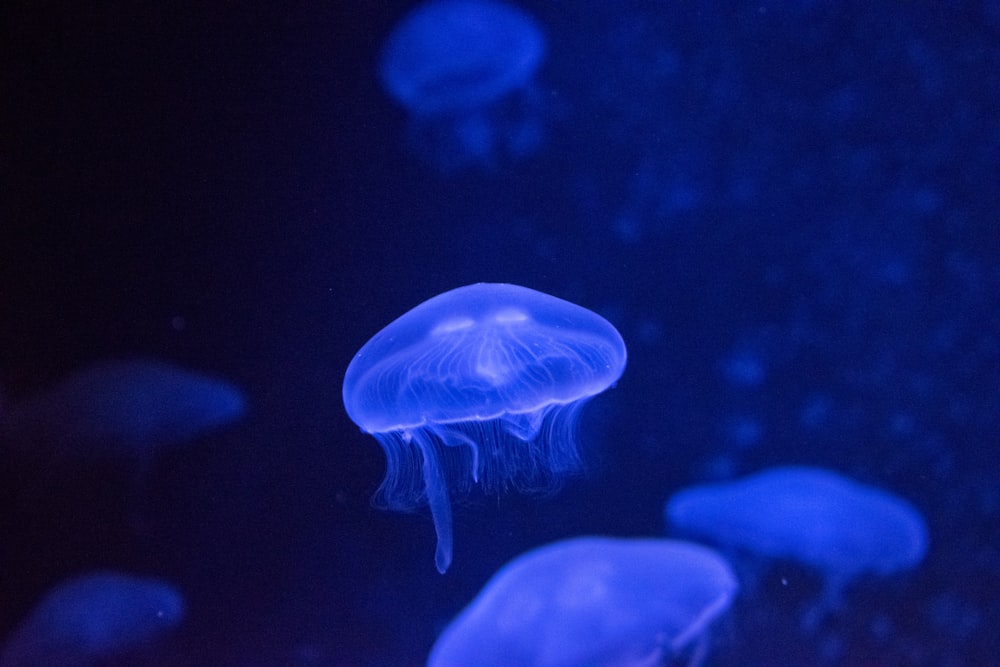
(481,384)
(592,601)
(92,618)
(122,407)
(839,526)
(464,71)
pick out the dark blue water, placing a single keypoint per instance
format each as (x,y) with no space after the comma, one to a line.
(789,209)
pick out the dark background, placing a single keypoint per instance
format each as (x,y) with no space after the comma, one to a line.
(807,191)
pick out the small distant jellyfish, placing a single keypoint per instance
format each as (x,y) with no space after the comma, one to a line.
(464,70)
(121,408)
(743,431)
(594,601)
(94,618)
(481,384)
(826,521)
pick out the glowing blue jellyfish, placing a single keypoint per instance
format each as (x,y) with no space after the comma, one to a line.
(834,524)
(481,384)
(94,618)
(593,601)
(464,70)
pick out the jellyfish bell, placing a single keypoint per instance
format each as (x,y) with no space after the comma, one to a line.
(479,385)
(818,517)
(480,352)
(840,527)
(453,55)
(464,70)
(121,408)
(593,601)
(118,411)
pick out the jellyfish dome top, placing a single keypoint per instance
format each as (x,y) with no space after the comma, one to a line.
(817,517)
(593,601)
(452,55)
(481,384)
(464,70)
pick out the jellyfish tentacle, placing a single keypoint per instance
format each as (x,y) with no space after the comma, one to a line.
(699,652)
(453,438)
(829,603)
(438,501)
(524,426)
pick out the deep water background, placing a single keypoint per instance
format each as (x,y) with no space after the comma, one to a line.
(789,209)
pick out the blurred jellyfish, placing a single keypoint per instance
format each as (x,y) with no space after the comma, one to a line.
(94,618)
(481,384)
(838,526)
(464,70)
(593,601)
(662,191)
(744,370)
(121,410)
(126,408)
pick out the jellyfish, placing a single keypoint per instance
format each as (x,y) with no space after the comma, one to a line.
(826,521)
(464,71)
(481,384)
(93,618)
(121,408)
(593,601)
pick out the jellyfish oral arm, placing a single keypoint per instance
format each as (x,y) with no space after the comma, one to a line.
(455,438)
(436,488)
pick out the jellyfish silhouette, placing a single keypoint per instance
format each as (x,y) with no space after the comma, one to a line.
(93,618)
(481,384)
(826,521)
(121,408)
(593,601)
(464,70)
